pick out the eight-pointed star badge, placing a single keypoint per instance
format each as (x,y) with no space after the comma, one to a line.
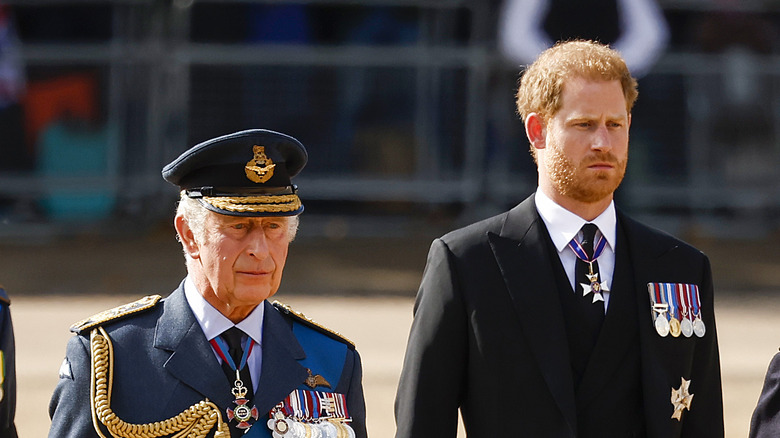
(681,399)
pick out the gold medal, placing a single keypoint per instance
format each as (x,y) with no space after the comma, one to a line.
(674,327)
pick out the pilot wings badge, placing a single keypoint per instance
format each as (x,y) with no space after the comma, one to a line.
(260,168)
(314,381)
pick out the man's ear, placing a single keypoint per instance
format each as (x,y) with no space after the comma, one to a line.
(187,237)
(535,130)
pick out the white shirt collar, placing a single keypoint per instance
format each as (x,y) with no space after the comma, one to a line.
(213,323)
(564,225)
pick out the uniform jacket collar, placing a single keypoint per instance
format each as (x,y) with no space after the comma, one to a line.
(192,360)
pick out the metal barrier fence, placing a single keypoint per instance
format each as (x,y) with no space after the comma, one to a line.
(398,101)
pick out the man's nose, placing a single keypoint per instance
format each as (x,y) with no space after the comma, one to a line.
(601,139)
(258,244)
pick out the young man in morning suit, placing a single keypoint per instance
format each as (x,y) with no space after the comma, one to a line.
(215,358)
(536,324)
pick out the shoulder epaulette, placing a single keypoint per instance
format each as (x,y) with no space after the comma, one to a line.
(116,313)
(303,319)
(4,296)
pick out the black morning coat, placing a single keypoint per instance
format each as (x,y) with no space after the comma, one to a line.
(765,422)
(489,338)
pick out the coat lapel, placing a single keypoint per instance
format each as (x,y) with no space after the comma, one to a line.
(521,251)
(192,360)
(281,372)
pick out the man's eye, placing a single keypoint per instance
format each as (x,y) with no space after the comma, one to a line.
(239,226)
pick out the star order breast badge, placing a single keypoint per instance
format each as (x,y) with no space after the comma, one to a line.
(681,399)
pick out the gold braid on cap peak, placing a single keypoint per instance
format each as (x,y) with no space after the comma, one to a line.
(262,204)
(194,422)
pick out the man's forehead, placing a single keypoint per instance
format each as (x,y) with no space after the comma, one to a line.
(606,90)
(576,81)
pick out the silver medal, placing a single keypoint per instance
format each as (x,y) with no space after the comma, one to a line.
(297,430)
(687,327)
(328,430)
(662,325)
(699,328)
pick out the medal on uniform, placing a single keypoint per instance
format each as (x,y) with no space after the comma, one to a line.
(311,414)
(671,299)
(659,308)
(242,413)
(685,324)
(593,286)
(698,325)
(681,399)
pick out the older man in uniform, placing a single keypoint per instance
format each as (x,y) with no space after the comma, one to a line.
(215,358)
(563,317)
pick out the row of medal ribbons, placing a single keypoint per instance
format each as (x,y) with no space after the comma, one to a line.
(676,309)
(311,414)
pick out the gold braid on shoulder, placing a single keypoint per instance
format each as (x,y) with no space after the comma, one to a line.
(194,422)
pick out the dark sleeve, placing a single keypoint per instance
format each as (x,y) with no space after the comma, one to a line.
(430,387)
(356,402)
(766,418)
(8,395)
(706,415)
(69,409)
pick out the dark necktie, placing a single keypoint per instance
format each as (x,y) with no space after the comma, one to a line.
(232,337)
(589,314)
(581,272)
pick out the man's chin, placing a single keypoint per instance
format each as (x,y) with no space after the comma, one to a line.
(253,296)
(595,192)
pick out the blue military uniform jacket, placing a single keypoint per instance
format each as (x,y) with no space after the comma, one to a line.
(163,364)
(7,369)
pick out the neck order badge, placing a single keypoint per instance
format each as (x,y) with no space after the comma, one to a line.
(242,413)
(594,285)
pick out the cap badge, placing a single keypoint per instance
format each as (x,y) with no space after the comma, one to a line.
(260,168)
